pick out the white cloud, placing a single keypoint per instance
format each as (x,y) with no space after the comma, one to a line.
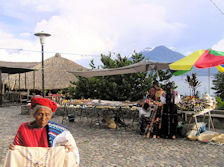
(26,34)
(92,27)
(219,45)
(97,26)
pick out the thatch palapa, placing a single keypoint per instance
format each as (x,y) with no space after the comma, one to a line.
(55,75)
(18,64)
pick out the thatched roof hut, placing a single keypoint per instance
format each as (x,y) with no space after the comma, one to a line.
(18,64)
(55,75)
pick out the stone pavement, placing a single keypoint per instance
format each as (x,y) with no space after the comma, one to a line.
(101,147)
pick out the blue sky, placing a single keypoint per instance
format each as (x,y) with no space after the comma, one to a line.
(83,29)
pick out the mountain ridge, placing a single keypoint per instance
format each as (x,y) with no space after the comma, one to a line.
(161,54)
(165,55)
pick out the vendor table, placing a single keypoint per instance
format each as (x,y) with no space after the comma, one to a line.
(96,112)
(193,114)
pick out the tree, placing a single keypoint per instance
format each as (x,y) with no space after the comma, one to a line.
(117,87)
(164,78)
(218,85)
(194,83)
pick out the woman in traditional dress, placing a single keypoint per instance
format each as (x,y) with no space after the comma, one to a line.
(154,96)
(153,90)
(169,116)
(41,132)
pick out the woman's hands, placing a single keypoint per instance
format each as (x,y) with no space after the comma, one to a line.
(69,148)
(12,147)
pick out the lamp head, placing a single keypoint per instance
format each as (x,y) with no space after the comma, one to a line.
(42,36)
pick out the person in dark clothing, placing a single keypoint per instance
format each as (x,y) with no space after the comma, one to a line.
(169,118)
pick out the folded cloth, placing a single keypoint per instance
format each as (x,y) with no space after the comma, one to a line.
(40,156)
(218,139)
(207,136)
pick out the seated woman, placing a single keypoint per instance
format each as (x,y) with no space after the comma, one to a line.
(144,114)
(41,132)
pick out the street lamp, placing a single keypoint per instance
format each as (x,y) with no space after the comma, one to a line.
(42,36)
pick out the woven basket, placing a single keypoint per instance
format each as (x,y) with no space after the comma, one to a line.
(192,137)
(207,137)
(218,139)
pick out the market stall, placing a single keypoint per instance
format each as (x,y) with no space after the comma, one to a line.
(195,108)
(100,112)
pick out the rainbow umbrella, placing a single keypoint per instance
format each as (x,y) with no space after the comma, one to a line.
(221,68)
(200,59)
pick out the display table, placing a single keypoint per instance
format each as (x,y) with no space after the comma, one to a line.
(210,121)
(96,111)
(193,114)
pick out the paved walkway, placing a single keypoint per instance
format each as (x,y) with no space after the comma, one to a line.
(100,147)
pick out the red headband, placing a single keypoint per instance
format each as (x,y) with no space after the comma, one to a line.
(44,102)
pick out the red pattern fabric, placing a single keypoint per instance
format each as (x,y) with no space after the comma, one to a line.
(152,93)
(44,102)
(31,137)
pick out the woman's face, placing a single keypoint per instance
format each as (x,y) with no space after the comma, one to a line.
(42,116)
(155,85)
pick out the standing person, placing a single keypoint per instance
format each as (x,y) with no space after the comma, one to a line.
(154,94)
(169,117)
(154,89)
(41,132)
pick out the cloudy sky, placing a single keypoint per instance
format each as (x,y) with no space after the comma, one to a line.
(83,29)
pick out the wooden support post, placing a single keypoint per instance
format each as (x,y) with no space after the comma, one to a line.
(9,81)
(20,100)
(25,80)
(19,81)
(0,87)
(33,80)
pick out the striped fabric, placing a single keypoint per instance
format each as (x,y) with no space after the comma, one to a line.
(54,129)
(53,135)
(34,137)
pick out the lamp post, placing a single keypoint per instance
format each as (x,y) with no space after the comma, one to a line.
(42,36)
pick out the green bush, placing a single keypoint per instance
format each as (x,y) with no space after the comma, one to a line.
(220,103)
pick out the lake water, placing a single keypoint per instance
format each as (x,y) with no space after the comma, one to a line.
(183,87)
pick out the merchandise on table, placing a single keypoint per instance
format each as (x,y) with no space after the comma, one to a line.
(191,104)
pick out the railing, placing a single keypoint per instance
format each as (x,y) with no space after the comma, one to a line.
(16,97)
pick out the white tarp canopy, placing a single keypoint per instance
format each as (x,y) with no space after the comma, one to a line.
(133,68)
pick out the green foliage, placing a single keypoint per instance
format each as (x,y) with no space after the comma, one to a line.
(164,78)
(220,103)
(218,85)
(69,92)
(193,83)
(91,64)
(117,87)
